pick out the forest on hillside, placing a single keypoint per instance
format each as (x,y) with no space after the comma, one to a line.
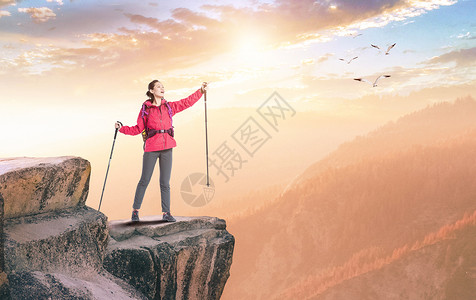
(364,208)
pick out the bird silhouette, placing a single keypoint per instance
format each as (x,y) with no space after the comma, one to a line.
(348,62)
(388,49)
(355,35)
(374,84)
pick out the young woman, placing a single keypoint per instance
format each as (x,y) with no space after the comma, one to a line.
(155,124)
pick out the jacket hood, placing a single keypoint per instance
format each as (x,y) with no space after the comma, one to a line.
(148,103)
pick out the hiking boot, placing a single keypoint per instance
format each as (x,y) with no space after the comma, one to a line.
(135,216)
(168,217)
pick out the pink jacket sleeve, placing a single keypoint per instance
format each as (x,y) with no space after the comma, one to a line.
(178,106)
(134,130)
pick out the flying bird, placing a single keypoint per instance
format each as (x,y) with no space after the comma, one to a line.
(374,84)
(348,62)
(388,49)
(355,35)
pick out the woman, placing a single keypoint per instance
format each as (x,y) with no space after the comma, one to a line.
(155,124)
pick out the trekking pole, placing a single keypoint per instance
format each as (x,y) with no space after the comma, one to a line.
(206,136)
(108,164)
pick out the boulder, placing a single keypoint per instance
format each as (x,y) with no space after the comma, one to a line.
(187,259)
(69,241)
(59,255)
(4,289)
(36,185)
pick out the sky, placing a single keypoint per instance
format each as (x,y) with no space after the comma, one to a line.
(70,69)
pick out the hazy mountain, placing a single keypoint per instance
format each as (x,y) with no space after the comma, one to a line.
(442,266)
(370,197)
(425,127)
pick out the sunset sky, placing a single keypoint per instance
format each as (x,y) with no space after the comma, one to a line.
(91,59)
(70,69)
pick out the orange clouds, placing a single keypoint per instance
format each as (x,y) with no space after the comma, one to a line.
(6,2)
(40,14)
(4,13)
(194,19)
(146,45)
(218,29)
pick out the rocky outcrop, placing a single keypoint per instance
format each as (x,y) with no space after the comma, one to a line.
(54,245)
(69,241)
(62,249)
(59,255)
(188,259)
(60,286)
(36,185)
(4,290)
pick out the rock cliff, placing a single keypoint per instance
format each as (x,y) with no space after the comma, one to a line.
(55,247)
(36,185)
(188,259)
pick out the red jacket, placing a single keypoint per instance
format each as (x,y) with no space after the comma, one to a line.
(159,118)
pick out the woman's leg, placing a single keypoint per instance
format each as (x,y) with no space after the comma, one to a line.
(165,163)
(148,163)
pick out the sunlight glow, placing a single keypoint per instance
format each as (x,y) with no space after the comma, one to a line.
(249,43)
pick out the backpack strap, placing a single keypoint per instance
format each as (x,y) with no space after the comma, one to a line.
(169,109)
(145,131)
(143,114)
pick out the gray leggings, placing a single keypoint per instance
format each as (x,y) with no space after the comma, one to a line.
(148,163)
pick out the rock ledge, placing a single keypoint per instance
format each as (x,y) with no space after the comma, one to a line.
(187,259)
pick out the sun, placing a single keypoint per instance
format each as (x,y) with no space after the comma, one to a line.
(249,48)
(249,43)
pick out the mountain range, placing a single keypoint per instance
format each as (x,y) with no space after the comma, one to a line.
(368,209)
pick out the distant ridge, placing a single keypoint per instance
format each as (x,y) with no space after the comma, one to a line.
(369,198)
(369,261)
(433,123)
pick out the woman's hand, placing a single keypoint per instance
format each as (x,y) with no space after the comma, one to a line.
(204,87)
(118,125)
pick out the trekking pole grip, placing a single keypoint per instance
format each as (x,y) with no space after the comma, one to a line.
(117,129)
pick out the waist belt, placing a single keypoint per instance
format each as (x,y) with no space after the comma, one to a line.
(153,132)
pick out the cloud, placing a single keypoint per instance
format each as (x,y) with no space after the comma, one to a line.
(60,2)
(4,3)
(462,57)
(184,23)
(44,58)
(396,12)
(283,23)
(190,37)
(466,36)
(288,22)
(324,57)
(4,13)
(308,61)
(39,14)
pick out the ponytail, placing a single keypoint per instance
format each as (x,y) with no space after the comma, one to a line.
(150,87)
